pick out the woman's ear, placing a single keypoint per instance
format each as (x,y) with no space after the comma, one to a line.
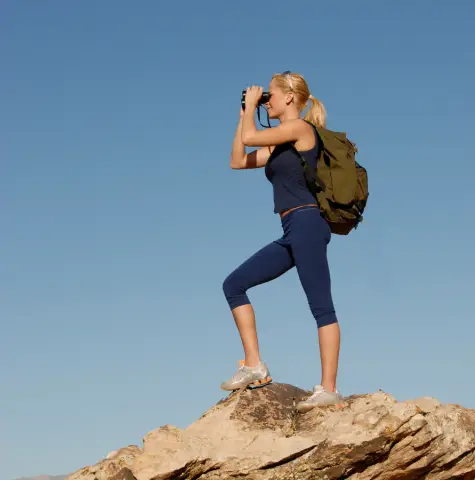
(289,98)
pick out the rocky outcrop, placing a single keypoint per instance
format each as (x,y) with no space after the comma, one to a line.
(257,434)
(44,477)
(110,467)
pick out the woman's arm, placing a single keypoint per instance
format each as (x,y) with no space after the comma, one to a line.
(286,132)
(239,158)
(289,131)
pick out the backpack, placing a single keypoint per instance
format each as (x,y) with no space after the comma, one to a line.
(340,183)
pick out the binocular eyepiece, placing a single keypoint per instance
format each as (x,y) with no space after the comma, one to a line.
(264,99)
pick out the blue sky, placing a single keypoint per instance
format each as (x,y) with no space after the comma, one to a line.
(121,216)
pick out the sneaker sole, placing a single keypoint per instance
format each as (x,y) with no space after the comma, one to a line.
(260,383)
(252,386)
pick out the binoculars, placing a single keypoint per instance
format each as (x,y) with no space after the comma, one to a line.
(264,99)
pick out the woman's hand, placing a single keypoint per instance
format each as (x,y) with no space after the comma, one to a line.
(253,94)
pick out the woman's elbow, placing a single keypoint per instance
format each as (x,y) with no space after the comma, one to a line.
(235,164)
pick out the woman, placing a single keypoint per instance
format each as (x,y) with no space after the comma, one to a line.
(305,233)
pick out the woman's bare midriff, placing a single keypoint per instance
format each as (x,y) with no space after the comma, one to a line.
(283,214)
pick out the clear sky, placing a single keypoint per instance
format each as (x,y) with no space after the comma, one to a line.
(121,216)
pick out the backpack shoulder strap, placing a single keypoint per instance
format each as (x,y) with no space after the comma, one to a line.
(313,182)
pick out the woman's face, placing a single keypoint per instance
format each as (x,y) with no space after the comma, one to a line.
(277,102)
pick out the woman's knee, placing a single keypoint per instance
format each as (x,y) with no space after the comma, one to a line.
(232,285)
(235,291)
(228,285)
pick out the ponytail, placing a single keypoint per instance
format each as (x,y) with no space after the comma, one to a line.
(317,115)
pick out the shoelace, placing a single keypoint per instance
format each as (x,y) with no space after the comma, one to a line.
(317,393)
(321,391)
(241,372)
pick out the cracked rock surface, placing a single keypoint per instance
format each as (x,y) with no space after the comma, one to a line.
(257,434)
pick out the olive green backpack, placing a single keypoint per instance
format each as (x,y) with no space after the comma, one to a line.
(339,184)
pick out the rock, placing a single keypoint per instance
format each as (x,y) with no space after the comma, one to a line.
(257,434)
(113,467)
(124,474)
(44,477)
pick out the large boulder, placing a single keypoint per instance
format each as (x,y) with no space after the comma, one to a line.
(258,434)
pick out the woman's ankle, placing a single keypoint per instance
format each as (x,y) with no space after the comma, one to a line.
(329,387)
(252,362)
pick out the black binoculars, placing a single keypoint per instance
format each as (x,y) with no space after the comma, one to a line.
(264,99)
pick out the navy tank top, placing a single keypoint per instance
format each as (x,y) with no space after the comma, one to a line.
(284,170)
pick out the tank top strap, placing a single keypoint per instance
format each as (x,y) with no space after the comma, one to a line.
(316,147)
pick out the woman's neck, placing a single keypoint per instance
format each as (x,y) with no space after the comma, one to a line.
(289,115)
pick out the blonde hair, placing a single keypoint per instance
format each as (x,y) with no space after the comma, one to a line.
(295,83)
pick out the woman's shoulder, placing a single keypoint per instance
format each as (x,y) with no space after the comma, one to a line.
(309,138)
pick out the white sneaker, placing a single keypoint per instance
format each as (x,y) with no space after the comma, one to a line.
(320,397)
(248,377)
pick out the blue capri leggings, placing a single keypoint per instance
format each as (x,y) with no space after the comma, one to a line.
(304,245)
